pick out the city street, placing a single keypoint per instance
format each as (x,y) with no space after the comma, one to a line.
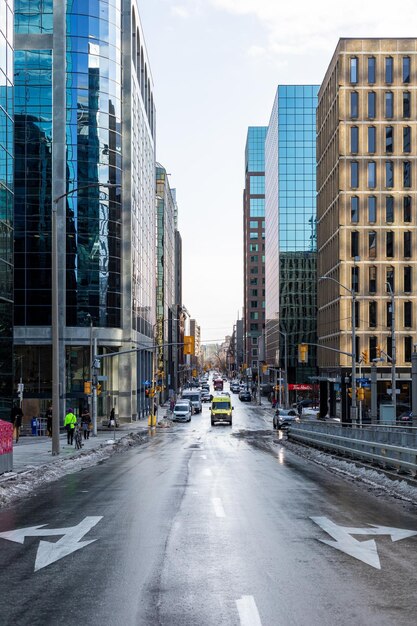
(206,526)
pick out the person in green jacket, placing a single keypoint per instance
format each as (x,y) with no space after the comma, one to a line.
(69,424)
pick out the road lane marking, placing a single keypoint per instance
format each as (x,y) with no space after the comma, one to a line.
(218,507)
(207,472)
(365,551)
(248,612)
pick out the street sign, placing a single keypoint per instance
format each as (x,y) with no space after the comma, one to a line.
(363,381)
(102,377)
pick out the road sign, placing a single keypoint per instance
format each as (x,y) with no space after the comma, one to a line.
(362,381)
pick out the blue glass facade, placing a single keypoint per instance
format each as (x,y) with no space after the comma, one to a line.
(6,207)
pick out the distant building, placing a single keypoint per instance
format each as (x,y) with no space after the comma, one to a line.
(195,331)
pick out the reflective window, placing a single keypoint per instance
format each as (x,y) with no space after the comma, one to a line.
(371,70)
(372,174)
(257,185)
(354,139)
(371,139)
(389,174)
(389,104)
(371,208)
(407,208)
(389,69)
(406,104)
(407,174)
(372,279)
(354,243)
(353,70)
(406,69)
(371,104)
(257,207)
(408,346)
(389,139)
(406,139)
(372,244)
(408,273)
(354,209)
(373,314)
(389,208)
(354,174)
(389,244)
(372,347)
(354,104)
(407,244)
(355,278)
(390,278)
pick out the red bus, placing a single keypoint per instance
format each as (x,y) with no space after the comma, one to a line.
(218,384)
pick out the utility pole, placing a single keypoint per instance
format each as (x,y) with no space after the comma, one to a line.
(374,405)
(95,368)
(393,352)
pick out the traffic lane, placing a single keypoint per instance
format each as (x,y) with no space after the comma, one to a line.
(248,520)
(245,415)
(115,579)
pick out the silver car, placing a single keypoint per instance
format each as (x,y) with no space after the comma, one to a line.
(284,418)
(182,412)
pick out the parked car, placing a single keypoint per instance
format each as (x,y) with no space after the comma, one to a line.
(245,396)
(182,412)
(405,418)
(206,396)
(284,418)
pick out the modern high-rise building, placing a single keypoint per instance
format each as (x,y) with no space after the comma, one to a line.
(367,214)
(72,66)
(254,243)
(290,238)
(6,208)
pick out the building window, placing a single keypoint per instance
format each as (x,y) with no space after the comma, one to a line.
(372,347)
(408,314)
(254,258)
(371,104)
(253,224)
(354,209)
(389,104)
(406,139)
(253,235)
(253,270)
(388,314)
(389,208)
(357,316)
(253,281)
(254,293)
(254,351)
(407,244)
(373,314)
(253,315)
(355,278)
(407,174)
(408,344)
(408,274)
(371,70)
(390,278)
(254,304)
(406,104)
(389,139)
(254,327)
(372,279)
(354,243)
(371,174)
(354,174)
(353,70)
(354,139)
(253,247)
(389,69)
(389,174)
(372,244)
(371,139)
(354,104)
(407,208)
(406,69)
(389,244)
(371,208)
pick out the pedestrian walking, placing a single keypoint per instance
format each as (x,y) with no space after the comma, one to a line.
(85,423)
(49,421)
(69,425)
(112,419)
(16,416)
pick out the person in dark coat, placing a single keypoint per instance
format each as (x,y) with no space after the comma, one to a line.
(85,423)
(112,419)
(49,421)
(16,416)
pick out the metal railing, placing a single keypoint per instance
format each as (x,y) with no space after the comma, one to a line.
(389,447)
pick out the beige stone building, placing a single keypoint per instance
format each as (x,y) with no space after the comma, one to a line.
(367,207)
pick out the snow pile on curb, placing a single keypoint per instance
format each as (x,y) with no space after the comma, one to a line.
(165,422)
(374,480)
(15,486)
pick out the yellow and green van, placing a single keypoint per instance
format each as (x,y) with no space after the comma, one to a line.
(221,410)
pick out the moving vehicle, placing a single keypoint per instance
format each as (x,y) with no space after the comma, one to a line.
(194,396)
(205,386)
(221,410)
(245,395)
(206,396)
(218,384)
(284,418)
(182,412)
(234,387)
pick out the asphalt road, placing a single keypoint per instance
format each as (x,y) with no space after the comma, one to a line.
(208,526)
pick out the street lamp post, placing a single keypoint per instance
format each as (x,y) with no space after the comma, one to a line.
(286,391)
(57,377)
(393,351)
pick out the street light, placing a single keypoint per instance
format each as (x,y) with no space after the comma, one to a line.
(353,295)
(285,335)
(393,351)
(57,313)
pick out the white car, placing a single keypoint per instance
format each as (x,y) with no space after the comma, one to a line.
(182,412)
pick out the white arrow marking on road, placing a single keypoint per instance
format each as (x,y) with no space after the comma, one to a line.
(218,507)
(365,551)
(248,612)
(50,552)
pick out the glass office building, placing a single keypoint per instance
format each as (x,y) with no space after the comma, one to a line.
(6,207)
(74,51)
(254,243)
(290,151)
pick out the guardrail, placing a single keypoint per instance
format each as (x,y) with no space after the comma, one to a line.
(389,447)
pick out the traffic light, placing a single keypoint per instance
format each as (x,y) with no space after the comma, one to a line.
(189,344)
(349,392)
(378,352)
(98,389)
(365,356)
(302,353)
(361,393)
(87,387)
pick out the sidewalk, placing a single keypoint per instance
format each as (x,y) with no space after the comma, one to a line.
(35,451)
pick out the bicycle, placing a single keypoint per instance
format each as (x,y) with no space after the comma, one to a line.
(78,437)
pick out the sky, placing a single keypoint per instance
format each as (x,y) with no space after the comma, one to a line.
(216,65)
